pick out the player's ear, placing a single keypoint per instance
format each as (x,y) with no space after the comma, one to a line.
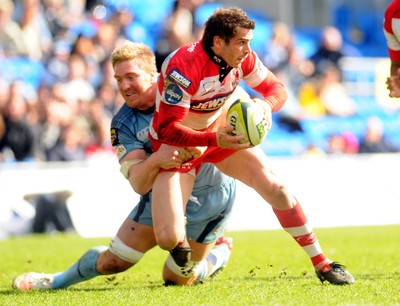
(218,41)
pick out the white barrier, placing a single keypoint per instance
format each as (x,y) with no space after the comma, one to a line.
(335,191)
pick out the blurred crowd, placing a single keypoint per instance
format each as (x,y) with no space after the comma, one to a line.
(65,116)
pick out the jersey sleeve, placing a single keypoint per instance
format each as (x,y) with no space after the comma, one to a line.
(391,29)
(124,140)
(262,80)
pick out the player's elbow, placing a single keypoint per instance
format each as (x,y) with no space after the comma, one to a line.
(140,190)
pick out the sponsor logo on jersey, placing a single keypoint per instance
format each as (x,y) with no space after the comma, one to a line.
(192,47)
(207,106)
(179,78)
(173,94)
(143,135)
(120,149)
(114,136)
(217,59)
(208,87)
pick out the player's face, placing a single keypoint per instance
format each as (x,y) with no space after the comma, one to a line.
(136,86)
(238,48)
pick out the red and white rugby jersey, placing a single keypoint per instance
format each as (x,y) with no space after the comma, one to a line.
(391,27)
(193,86)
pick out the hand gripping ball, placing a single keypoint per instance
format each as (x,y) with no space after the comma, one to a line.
(247,117)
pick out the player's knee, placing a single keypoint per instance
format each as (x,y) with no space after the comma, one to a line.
(167,240)
(118,258)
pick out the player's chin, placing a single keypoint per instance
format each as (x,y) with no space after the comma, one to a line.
(133,102)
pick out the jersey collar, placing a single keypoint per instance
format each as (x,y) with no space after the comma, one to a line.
(224,69)
(147,111)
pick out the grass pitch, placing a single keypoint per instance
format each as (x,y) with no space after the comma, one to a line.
(266,268)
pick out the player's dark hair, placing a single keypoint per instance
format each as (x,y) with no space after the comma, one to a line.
(225,23)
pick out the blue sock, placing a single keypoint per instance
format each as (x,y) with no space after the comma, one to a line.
(83,270)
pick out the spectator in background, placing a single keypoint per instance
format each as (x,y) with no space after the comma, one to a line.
(56,14)
(108,96)
(77,88)
(333,94)
(279,49)
(344,143)
(324,94)
(374,140)
(17,143)
(391,29)
(11,38)
(57,67)
(69,146)
(35,30)
(85,48)
(284,60)
(330,50)
(179,29)
(56,115)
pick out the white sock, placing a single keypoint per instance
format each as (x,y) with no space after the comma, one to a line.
(216,259)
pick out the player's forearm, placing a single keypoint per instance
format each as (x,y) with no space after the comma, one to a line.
(179,135)
(273,91)
(171,131)
(394,68)
(142,175)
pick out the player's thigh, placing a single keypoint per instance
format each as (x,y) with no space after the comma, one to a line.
(250,166)
(170,193)
(137,236)
(208,211)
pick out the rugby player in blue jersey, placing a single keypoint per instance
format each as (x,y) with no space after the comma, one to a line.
(207,211)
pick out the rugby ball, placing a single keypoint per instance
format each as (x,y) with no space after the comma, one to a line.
(247,117)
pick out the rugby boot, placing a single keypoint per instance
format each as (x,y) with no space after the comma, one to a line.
(33,280)
(337,275)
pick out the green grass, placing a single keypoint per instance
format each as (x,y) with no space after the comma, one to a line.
(266,268)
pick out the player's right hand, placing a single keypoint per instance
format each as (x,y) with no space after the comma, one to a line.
(196,151)
(227,141)
(393,85)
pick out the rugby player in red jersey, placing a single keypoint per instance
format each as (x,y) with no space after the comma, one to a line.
(193,87)
(391,29)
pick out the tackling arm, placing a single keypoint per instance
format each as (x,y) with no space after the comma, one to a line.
(171,130)
(141,170)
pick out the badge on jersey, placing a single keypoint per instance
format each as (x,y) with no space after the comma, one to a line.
(173,94)
(120,150)
(114,136)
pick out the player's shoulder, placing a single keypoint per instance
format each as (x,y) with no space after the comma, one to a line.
(188,55)
(123,114)
(393,10)
(251,63)
(186,63)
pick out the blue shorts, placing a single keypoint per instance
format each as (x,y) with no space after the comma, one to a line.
(207,212)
